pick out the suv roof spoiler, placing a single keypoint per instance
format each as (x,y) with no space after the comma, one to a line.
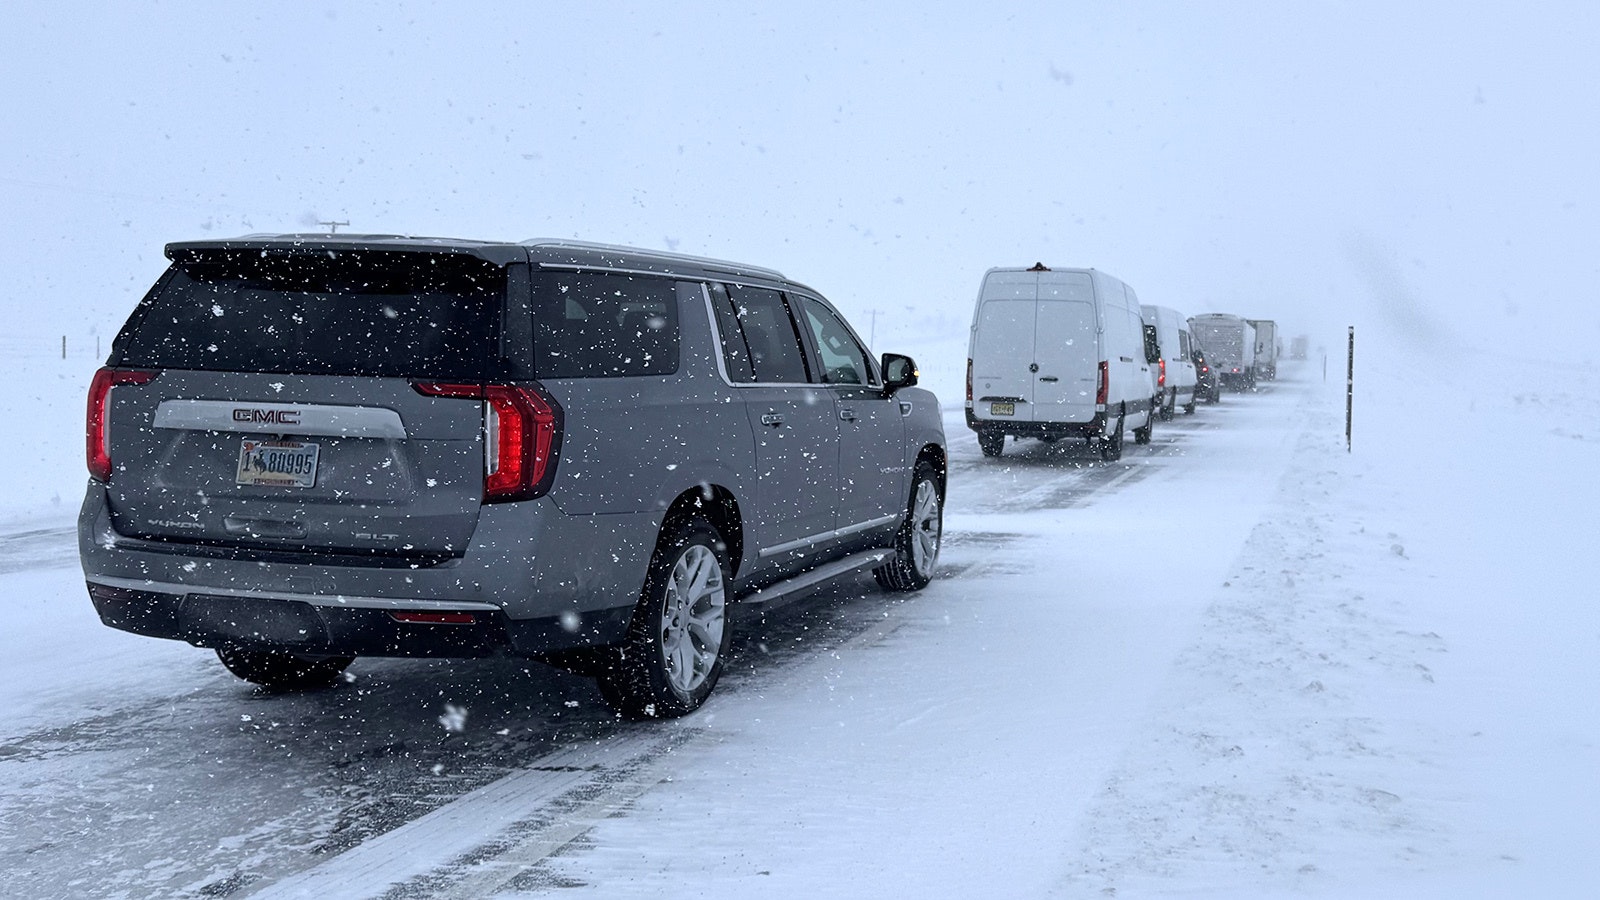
(498,252)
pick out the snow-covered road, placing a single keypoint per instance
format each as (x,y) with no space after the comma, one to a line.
(1214,667)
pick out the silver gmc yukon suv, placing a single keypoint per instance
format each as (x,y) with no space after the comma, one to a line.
(308,448)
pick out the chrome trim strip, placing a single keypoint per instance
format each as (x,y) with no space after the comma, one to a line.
(336,600)
(253,417)
(830,535)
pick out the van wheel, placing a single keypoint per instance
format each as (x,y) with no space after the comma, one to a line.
(916,544)
(991,443)
(1188,408)
(1142,435)
(283,671)
(679,635)
(1111,444)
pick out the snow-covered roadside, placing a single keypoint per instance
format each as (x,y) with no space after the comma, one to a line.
(1393,692)
(42,453)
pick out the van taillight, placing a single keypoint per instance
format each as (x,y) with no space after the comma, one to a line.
(1161,380)
(97,425)
(1104,389)
(522,437)
(969,382)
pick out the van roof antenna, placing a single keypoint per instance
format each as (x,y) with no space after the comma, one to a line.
(1039,267)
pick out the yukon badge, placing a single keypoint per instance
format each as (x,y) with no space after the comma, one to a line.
(266,416)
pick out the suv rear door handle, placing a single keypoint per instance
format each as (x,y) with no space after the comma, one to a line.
(772,419)
(847,414)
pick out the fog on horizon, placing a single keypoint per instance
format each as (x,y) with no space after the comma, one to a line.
(1427,170)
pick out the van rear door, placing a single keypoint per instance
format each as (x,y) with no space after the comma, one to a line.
(1002,347)
(1066,348)
(1036,350)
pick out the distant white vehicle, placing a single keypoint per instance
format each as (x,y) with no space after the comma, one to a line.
(1057,353)
(1174,373)
(1229,342)
(1266,347)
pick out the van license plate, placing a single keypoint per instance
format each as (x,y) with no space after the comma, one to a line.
(277,463)
(1003,409)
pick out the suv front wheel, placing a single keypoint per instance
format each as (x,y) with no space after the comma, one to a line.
(680,631)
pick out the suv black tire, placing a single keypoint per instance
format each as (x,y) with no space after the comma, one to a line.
(644,681)
(283,671)
(916,545)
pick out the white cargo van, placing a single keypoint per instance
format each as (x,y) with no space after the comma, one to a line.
(1057,353)
(1174,374)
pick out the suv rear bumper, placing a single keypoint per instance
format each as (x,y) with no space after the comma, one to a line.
(505,597)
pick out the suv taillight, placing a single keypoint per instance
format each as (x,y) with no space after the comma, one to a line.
(97,424)
(1104,389)
(522,437)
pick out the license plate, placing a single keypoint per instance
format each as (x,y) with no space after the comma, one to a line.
(1003,409)
(277,463)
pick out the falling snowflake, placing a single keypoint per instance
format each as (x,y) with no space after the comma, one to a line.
(454,718)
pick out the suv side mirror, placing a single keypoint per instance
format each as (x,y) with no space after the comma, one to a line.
(898,372)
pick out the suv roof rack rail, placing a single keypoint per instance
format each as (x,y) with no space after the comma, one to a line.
(707,261)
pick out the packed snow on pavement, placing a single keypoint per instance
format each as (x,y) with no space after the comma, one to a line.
(1244,663)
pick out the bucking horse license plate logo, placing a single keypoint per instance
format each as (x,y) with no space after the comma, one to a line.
(277,463)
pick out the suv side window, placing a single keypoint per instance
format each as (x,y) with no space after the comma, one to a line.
(770,336)
(601,325)
(843,359)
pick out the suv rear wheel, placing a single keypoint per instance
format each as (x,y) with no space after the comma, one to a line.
(680,631)
(916,546)
(283,671)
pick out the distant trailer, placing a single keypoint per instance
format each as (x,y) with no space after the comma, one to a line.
(1299,346)
(1266,347)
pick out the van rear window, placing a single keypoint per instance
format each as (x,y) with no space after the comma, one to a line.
(324,312)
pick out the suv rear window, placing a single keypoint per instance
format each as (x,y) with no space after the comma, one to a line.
(327,312)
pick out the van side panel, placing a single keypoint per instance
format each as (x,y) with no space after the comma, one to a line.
(1123,349)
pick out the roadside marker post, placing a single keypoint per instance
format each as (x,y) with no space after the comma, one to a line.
(1349,389)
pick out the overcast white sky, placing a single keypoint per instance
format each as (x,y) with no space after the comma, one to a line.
(1323,164)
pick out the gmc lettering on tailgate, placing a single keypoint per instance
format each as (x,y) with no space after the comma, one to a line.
(267,416)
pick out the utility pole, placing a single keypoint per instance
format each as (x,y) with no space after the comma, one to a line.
(872,332)
(333,227)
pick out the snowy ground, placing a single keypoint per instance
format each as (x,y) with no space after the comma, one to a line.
(1242,662)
